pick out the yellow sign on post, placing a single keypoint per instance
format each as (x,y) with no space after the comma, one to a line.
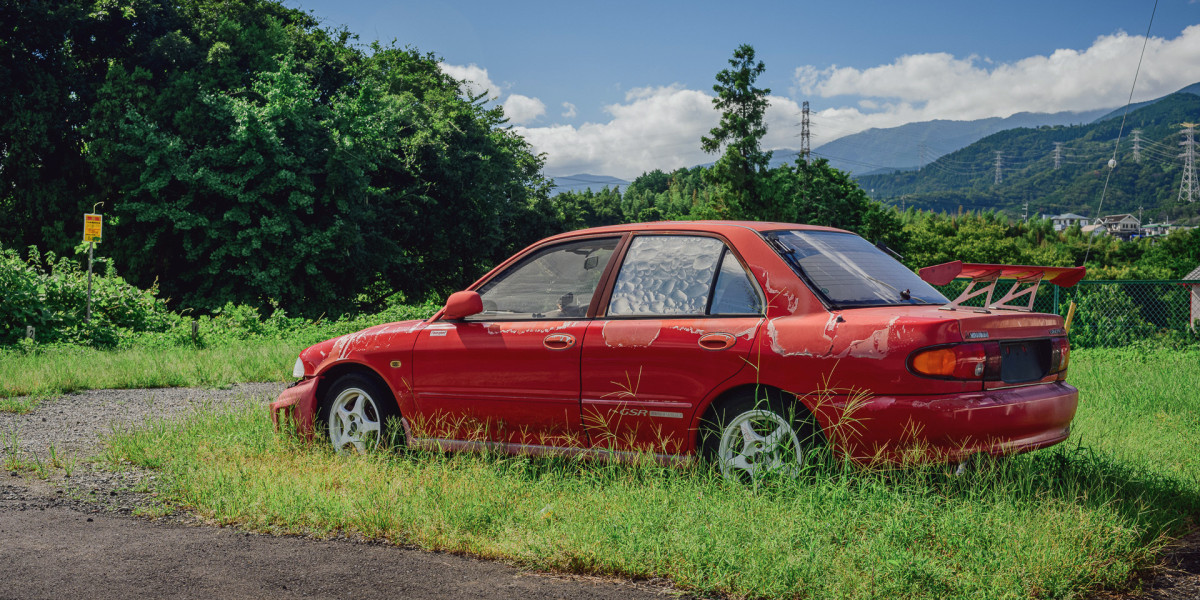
(92,225)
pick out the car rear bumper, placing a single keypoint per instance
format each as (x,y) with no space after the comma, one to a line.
(953,427)
(296,406)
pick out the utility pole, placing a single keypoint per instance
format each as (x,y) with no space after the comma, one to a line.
(804,132)
(1140,215)
(999,166)
(1057,155)
(1137,145)
(1187,186)
(1025,217)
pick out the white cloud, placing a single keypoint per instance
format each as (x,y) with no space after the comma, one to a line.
(660,127)
(655,128)
(941,86)
(475,79)
(523,109)
(569,111)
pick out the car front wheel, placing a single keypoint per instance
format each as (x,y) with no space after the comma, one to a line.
(358,414)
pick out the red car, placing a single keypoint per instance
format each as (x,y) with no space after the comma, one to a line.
(749,343)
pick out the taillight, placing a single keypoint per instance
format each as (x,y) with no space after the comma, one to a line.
(1060,355)
(977,361)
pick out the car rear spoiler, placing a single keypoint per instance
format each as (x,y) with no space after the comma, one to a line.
(1026,281)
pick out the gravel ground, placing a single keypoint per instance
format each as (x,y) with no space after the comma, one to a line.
(71,536)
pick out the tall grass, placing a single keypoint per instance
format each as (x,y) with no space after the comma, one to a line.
(1051,524)
(67,369)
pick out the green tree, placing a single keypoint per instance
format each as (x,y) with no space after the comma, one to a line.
(735,176)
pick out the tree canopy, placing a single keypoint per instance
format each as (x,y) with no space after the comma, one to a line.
(245,154)
(735,176)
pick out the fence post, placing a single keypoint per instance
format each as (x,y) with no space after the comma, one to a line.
(1056,288)
(195,332)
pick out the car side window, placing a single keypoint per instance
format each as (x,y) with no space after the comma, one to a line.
(735,293)
(675,275)
(553,283)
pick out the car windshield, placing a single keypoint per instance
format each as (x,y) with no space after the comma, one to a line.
(849,271)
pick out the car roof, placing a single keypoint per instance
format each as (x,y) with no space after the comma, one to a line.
(709,226)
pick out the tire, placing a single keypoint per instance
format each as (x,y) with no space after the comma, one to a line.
(756,436)
(359,415)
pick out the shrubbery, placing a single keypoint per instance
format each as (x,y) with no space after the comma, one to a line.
(49,293)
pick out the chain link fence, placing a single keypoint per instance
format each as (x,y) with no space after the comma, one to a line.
(1118,313)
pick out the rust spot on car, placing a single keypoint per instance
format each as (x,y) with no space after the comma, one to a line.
(631,334)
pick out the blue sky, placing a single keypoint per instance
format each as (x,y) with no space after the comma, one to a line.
(618,88)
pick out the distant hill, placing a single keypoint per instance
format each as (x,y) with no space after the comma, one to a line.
(966,178)
(914,144)
(1191,89)
(584,181)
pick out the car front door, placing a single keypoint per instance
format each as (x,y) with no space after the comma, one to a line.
(681,319)
(511,373)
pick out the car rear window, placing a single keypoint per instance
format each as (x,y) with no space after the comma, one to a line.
(850,271)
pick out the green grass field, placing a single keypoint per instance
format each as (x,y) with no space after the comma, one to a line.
(67,369)
(1052,524)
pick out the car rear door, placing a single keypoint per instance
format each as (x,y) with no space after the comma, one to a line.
(681,319)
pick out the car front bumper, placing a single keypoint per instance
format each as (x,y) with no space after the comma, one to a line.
(296,406)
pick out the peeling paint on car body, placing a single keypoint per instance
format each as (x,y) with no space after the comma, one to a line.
(631,333)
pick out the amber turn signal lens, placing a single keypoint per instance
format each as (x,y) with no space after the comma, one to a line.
(939,362)
(975,361)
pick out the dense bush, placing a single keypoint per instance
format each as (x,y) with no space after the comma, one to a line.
(49,293)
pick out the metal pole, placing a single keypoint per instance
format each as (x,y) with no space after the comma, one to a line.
(88,319)
(1056,299)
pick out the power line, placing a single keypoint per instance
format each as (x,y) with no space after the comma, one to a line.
(1112,162)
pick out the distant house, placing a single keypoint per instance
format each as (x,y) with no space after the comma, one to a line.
(1155,229)
(1064,222)
(1123,226)
(1194,286)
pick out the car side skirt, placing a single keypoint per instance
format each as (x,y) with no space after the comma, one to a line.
(440,444)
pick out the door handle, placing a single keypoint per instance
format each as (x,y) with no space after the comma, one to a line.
(558,341)
(717,341)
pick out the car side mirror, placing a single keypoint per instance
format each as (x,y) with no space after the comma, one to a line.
(590,263)
(462,304)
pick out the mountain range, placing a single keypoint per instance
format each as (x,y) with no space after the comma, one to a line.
(883,151)
(1059,169)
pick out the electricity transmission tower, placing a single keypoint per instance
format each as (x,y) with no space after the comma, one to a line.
(999,166)
(1057,155)
(1137,145)
(1187,186)
(804,133)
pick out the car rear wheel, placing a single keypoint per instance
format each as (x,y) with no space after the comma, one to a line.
(753,437)
(358,415)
